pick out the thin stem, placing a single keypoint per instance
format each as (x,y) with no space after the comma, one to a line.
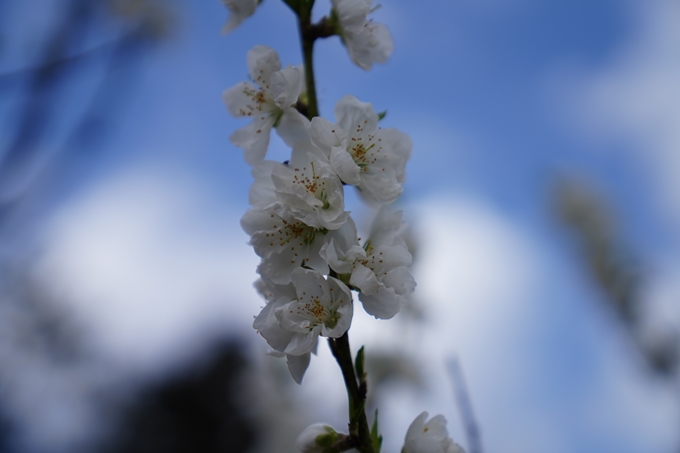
(307,38)
(358,428)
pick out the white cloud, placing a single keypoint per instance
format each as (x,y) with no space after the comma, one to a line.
(635,98)
(150,269)
(151,266)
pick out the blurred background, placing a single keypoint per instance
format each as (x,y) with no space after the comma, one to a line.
(543,196)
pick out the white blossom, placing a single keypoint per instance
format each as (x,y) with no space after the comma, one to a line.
(285,243)
(429,436)
(300,312)
(379,269)
(311,190)
(239,10)
(297,364)
(367,42)
(371,158)
(269,104)
(296,210)
(316,438)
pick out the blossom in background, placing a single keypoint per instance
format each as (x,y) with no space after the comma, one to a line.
(317,438)
(269,104)
(371,158)
(239,10)
(298,313)
(379,269)
(367,42)
(429,436)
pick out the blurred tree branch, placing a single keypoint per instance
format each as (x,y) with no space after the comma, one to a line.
(25,162)
(615,269)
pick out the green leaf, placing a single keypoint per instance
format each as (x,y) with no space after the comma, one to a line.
(382,115)
(375,435)
(357,413)
(359,364)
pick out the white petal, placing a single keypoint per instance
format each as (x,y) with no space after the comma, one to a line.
(239,10)
(380,184)
(436,428)
(352,114)
(325,134)
(429,437)
(335,258)
(344,166)
(373,44)
(401,280)
(398,147)
(303,343)
(383,304)
(392,256)
(385,226)
(261,192)
(451,447)
(356,252)
(345,237)
(267,325)
(364,279)
(293,128)
(342,302)
(311,191)
(279,266)
(297,365)
(422,445)
(310,282)
(307,440)
(240,99)
(262,62)
(285,86)
(416,428)
(255,220)
(254,139)
(352,14)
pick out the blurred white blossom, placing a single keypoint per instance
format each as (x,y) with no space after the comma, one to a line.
(429,436)
(367,42)
(239,10)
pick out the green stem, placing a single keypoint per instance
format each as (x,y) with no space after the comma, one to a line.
(358,427)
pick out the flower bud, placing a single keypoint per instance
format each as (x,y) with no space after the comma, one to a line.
(429,436)
(317,438)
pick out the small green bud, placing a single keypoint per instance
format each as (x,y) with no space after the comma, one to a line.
(317,438)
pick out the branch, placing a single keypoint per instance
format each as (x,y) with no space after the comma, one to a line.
(358,427)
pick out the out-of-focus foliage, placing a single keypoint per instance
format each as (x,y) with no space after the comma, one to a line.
(77,48)
(617,271)
(199,409)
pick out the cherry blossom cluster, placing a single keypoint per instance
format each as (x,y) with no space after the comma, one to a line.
(311,256)
(312,261)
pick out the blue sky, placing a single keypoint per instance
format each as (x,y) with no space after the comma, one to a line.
(500,98)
